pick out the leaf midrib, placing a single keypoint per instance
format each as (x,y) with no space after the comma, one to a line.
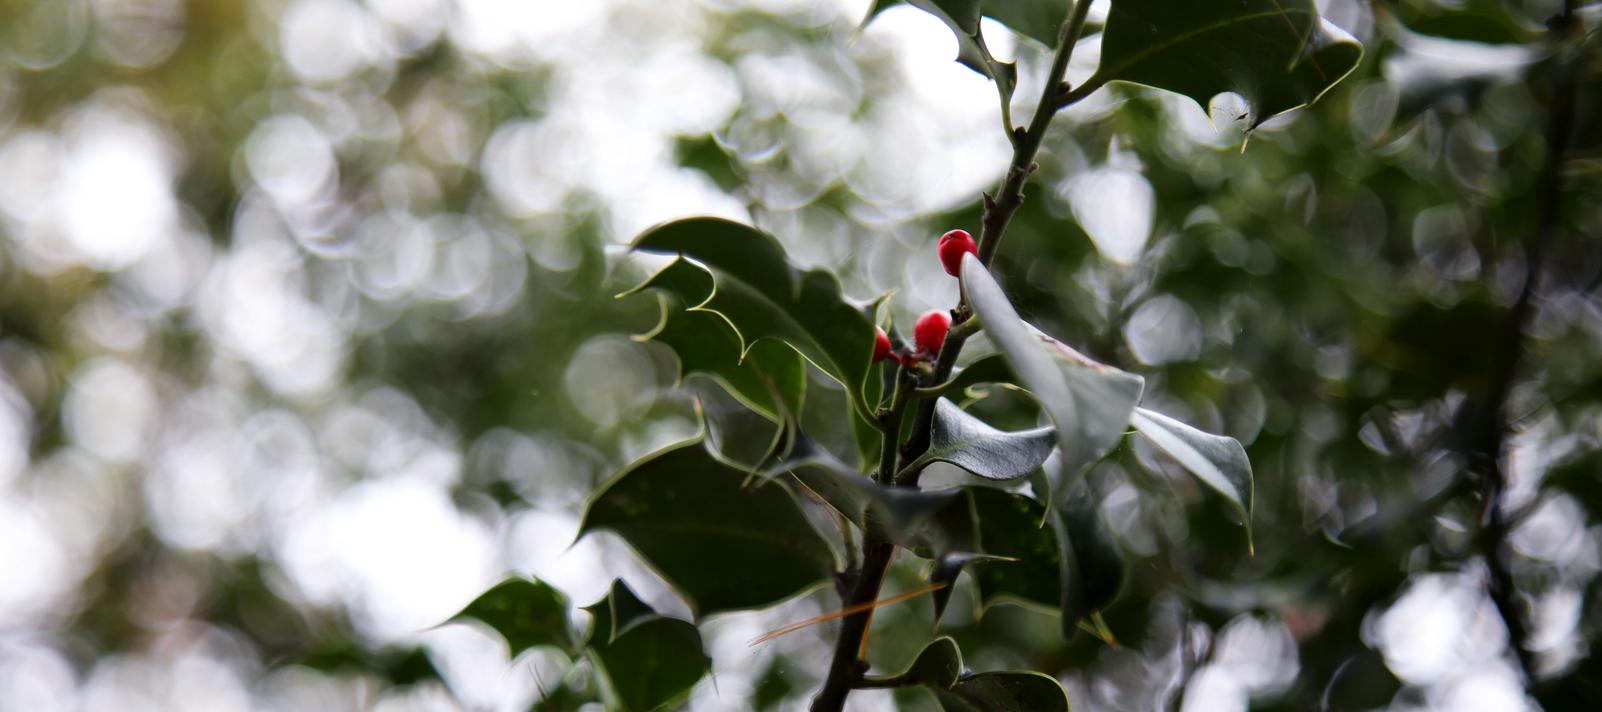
(1183,38)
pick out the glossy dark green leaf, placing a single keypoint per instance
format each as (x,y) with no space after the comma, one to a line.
(1089,403)
(1092,566)
(1277,54)
(989,369)
(762,295)
(1010,525)
(963,16)
(964,440)
(526,613)
(896,512)
(1004,691)
(1039,20)
(769,379)
(1218,461)
(1070,565)
(725,541)
(653,661)
(615,614)
(938,665)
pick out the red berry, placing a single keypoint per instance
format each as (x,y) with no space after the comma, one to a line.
(952,246)
(881,345)
(930,331)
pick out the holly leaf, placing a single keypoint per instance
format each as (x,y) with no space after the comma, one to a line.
(527,613)
(1090,564)
(938,665)
(895,512)
(763,296)
(1277,54)
(1064,561)
(961,439)
(946,570)
(963,16)
(652,662)
(768,378)
(1009,525)
(1218,461)
(1004,691)
(1088,402)
(682,508)
(615,614)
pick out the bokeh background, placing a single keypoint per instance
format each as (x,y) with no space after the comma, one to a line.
(308,336)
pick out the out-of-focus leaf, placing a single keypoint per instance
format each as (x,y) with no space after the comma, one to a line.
(769,378)
(1218,461)
(963,440)
(1277,54)
(525,612)
(896,512)
(938,665)
(705,155)
(569,696)
(776,684)
(963,16)
(1364,682)
(1092,567)
(723,540)
(615,614)
(403,666)
(652,662)
(762,295)
(1004,691)
(1089,403)
(1427,71)
(1490,21)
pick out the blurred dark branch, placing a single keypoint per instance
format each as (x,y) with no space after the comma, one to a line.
(1491,426)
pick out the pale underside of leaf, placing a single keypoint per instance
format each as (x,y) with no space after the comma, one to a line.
(1088,403)
(967,442)
(1218,461)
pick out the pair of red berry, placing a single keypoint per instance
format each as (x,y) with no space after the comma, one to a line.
(929,333)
